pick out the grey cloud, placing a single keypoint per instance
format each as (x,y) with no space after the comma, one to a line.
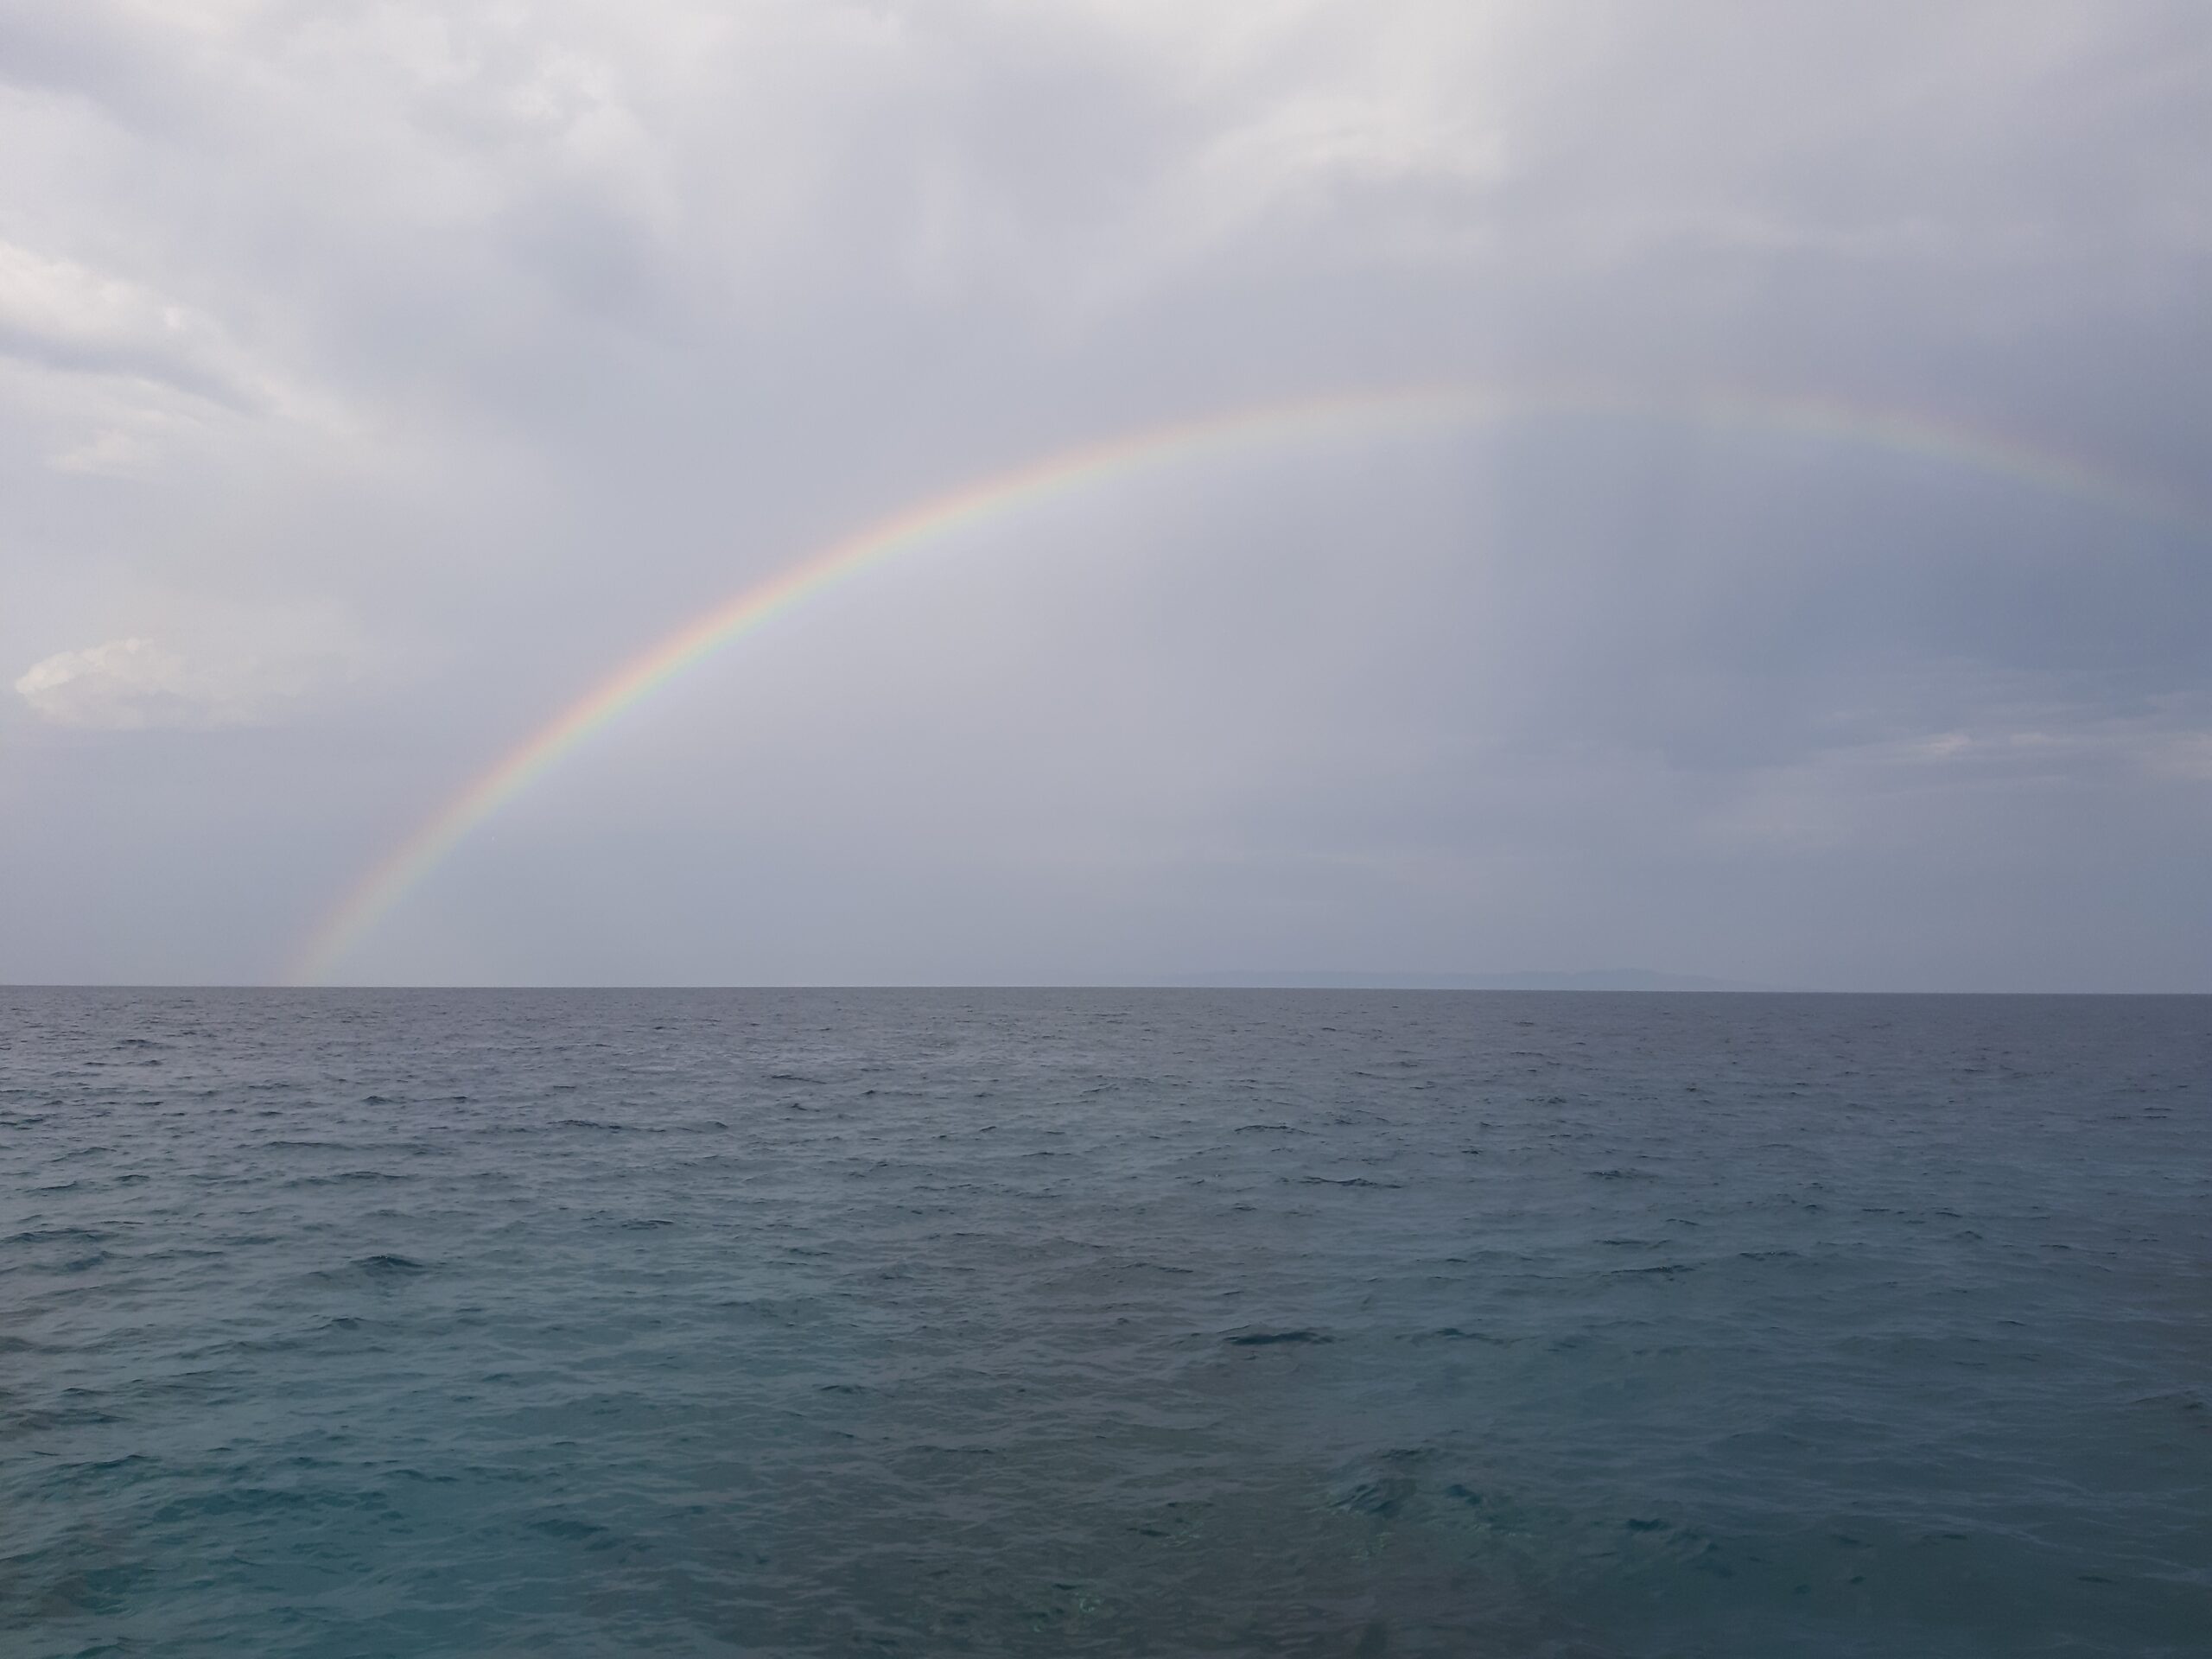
(530,333)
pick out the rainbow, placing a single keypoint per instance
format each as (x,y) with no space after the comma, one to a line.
(943,517)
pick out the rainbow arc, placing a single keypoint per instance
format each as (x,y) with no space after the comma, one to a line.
(944,517)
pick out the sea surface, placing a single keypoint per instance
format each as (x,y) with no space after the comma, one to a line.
(356,1322)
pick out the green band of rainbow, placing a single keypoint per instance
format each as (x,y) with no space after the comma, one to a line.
(946,515)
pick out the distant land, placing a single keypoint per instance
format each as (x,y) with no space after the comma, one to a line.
(1600,979)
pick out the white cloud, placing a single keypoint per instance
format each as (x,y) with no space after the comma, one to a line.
(125,378)
(67,316)
(135,684)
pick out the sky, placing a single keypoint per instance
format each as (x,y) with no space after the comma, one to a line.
(1805,583)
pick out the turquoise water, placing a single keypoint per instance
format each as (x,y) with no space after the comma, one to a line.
(432,1322)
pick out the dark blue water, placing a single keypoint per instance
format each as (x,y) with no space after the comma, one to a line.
(1092,1322)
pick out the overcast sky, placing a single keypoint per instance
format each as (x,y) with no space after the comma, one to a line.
(375,378)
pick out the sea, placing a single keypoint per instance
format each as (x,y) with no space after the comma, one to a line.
(1027,1322)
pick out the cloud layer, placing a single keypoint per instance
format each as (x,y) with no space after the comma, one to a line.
(498,339)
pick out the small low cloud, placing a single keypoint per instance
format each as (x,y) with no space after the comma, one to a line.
(111,453)
(137,685)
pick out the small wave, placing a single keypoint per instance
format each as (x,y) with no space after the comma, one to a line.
(384,1265)
(57,1236)
(1383,1499)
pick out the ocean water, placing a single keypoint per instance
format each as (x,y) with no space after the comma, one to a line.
(611,1323)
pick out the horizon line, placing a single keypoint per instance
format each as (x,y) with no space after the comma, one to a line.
(1165,983)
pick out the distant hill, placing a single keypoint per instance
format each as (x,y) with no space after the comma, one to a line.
(1599,979)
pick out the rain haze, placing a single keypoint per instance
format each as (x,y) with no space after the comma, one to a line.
(1755,526)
